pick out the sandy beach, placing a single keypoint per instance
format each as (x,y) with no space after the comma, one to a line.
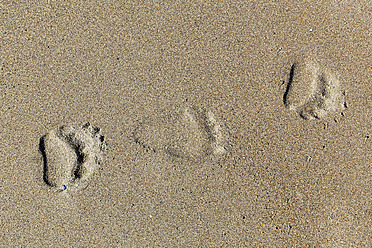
(186,124)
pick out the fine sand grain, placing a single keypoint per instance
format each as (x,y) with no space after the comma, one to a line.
(225,122)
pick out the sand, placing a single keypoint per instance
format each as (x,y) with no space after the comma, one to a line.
(273,179)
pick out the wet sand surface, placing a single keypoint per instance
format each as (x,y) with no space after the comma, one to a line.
(284,181)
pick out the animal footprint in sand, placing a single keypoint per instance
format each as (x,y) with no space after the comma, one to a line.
(192,133)
(313,92)
(71,155)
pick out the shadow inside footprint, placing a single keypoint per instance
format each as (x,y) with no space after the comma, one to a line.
(290,79)
(45,162)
